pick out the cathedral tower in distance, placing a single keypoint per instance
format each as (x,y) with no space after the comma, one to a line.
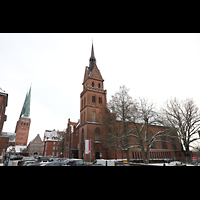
(23,124)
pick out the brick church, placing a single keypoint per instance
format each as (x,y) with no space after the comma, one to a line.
(91,128)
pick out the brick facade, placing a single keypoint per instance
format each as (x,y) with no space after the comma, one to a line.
(92,101)
(22,131)
(50,143)
(35,147)
(72,140)
(3,105)
(3,146)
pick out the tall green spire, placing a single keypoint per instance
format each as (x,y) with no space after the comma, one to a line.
(26,107)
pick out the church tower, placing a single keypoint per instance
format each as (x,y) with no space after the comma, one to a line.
(23,124)
(92,101)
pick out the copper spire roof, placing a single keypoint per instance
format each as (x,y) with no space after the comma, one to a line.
(26,106)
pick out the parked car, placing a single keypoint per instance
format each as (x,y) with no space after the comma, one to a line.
(15,157)
(123,164)
(43,159)
(26,163)
(22,162)
(105,162)
(56,163)
(176,163)
(76,162)
(52,159)
(35,164)
(96,165)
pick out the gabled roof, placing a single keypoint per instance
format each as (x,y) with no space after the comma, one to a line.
(51,135)
(37,139)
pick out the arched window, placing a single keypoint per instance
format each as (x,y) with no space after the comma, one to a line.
(92,84)
(97,134)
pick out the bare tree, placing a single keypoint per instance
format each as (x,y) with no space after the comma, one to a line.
(128,124)
(184,117)
(118,131)
(143,117)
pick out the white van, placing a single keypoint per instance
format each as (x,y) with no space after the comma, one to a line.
(105,162)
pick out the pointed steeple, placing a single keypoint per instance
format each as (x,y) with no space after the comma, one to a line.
(26,106)
(92,52)
(92,60)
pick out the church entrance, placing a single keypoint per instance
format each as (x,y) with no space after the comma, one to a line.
(97,155)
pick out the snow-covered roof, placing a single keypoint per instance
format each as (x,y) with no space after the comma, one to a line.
(50,135)
(17,148)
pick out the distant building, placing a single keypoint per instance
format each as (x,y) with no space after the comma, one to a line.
(23,124)
(35,147)
(3,147)
(50,143)
(3,105)
(11,137)
(3,140)
(72,140)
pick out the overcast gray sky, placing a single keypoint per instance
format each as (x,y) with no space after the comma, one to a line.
(156,66)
